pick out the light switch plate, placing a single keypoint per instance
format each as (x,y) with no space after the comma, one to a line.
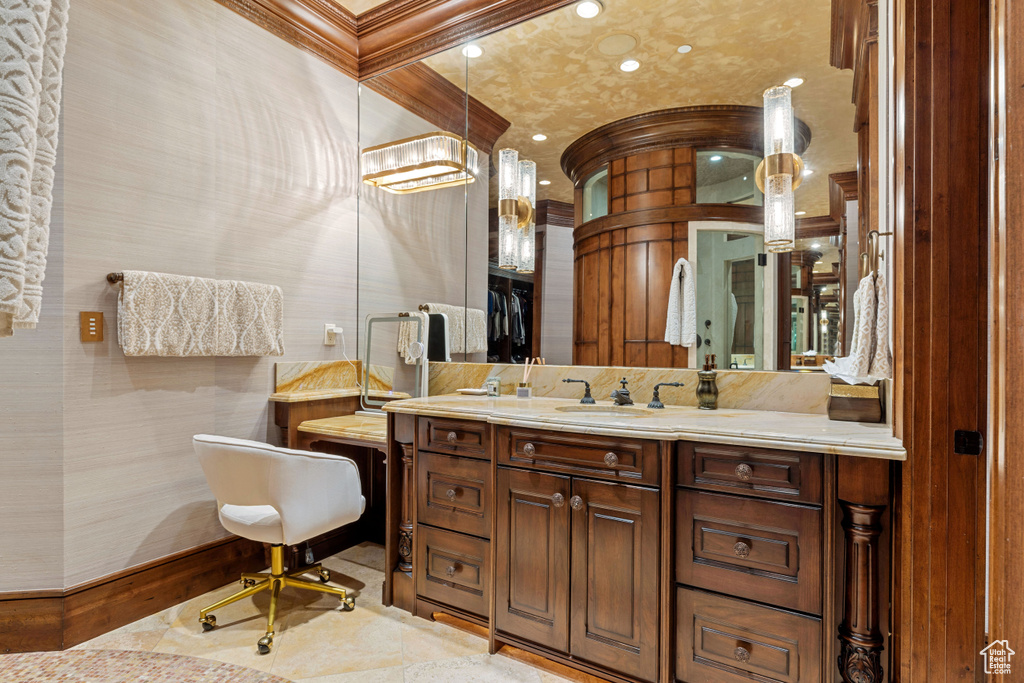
(92,326)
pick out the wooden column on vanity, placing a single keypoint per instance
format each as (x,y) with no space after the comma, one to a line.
(864,495)
(398,548)
(624,260)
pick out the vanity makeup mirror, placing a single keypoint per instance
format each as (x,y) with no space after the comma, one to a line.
(644,129)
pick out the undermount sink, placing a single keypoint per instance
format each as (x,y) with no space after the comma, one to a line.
(607,411)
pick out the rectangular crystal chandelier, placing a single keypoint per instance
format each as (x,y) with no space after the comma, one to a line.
(781,171)
(425,162)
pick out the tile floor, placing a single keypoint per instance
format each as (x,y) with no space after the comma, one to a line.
(317,642)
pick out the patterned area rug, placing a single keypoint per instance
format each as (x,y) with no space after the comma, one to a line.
(120,666)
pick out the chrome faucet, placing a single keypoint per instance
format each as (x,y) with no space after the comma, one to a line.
(587,398)
(621,396)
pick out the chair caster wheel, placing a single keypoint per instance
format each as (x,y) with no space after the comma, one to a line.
(325,575)
(264,643)
(208,622)
(348,604)
(248,583)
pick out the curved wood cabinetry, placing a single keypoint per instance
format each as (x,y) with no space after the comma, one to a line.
(624,260)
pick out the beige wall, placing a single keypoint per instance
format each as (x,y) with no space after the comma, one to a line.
(556,311)
(31,433)
(193,142)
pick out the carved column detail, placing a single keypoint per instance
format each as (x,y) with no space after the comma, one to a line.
(405,528)
(860,638)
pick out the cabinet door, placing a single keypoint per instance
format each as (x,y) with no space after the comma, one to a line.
(532,556)
(615,576)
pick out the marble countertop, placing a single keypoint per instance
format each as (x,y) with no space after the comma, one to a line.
(760,428)
(322,394)
(356,427)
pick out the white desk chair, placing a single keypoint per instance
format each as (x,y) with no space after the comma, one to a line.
(281,497)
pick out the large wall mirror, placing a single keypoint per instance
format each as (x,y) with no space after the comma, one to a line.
(605,151)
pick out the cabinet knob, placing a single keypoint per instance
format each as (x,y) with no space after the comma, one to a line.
(611,459)
(558,500)
(450,570)
(452,437)
(741,549)
(741,654)
(451,494)
(529,449)
(744,472)
(576,502)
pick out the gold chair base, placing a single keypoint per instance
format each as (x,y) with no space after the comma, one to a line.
(274,581)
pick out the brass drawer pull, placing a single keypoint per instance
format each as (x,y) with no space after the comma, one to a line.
(558,500)
(741,549)
(452,437)
(744,472)
(450,571)
(611,459)
(451,493)
(529,449)
(741,654)
(576,502)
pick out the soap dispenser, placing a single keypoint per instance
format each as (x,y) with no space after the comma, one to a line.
(707,389)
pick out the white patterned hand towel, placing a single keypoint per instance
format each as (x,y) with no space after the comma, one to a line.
(681,322)
(463,338)
(881,362)
(175,315)
(864,328)
(34,35)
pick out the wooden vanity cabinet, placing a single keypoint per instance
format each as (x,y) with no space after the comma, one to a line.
(749,565)
(452,502)
(577,558)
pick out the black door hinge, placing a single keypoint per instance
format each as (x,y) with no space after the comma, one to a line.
(968,443)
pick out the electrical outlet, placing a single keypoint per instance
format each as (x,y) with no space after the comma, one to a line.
(92,326)
(331,334)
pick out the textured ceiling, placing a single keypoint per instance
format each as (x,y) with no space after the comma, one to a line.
(357,7)
(549,76)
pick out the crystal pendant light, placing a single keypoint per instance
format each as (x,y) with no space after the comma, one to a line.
(508,192)
(424,162)
(780,172)
(527,247)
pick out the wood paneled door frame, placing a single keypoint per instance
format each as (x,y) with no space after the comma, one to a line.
(941,74)
(1005,451)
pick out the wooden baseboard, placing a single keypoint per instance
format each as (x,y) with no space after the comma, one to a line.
(34,621)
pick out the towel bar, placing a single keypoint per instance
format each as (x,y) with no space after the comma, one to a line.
(114,278)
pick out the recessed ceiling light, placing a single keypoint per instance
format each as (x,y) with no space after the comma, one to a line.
(800,213)
(744,177)
(588,9)
(683,49)
(472,51)
(815,245)
(540,137)
(717,157)
(628,65)
(794,82)
(808,171)
(545,182)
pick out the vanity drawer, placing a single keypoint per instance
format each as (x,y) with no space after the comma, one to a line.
(761,550)
(462,437)
(731,641)
(454,493)
(453,569)
(781,475)
(633,460)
